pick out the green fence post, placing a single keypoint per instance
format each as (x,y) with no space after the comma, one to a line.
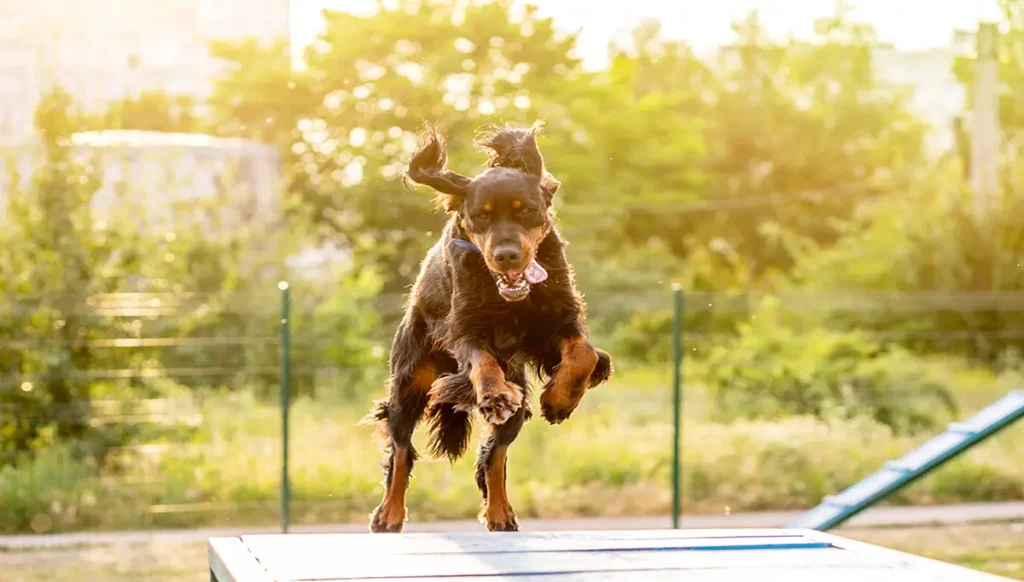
(677,403)
(286,377)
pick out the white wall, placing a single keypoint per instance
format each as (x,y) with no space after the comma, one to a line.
(937,94)
(103,50)
(154,170)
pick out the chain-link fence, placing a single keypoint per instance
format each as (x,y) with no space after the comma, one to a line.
(166,412)
(163,170)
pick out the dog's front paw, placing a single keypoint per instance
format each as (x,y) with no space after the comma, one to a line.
(603,370)
(498,404)
(557,403)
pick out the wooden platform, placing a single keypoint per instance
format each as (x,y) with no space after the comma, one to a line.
(587,556)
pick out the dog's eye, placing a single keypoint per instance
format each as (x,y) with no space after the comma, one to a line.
(526,211)
(480,216)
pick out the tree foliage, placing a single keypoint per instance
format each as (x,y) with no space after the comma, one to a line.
(361,105)
(151,111)
(775,368)
(929,241)
(51,251)
(765,162)
(81,272)
(807,130)
(1010,77)
(686,162)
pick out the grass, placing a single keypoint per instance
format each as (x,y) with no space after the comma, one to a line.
(152,562)
(994,548)
(611,459)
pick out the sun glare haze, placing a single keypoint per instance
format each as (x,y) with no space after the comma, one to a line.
(907,24)
(466,266)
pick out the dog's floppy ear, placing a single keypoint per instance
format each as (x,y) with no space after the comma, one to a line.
(428,167)
(516,148)
(512,147)
(549,185)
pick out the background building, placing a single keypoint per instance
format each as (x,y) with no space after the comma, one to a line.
(938,97)
(104,50)
(151,171)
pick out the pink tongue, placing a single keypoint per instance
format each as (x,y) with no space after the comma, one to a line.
(535,273)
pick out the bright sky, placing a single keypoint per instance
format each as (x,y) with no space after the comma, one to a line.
(908,24)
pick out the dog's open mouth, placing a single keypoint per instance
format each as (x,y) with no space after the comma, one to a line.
(515,285)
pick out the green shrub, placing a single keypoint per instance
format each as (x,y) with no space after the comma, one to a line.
(774,369)
(927,271)
(614,458)
(646,337)
(51,491)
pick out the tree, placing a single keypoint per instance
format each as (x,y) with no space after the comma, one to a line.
(352,116)
(52,250)
(1010,75)
(260,96)
(808,131)
(65,259)
(719,170)
(622,173)
(151,111)
(926,239)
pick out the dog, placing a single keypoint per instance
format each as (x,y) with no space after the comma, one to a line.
(494,297)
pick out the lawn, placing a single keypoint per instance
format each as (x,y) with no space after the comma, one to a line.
(612,458)
(994,548)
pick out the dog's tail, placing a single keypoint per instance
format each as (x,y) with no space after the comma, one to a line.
(450,430)
(378,418)
(451,423)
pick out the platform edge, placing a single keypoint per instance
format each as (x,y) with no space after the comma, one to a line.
(231,561)
(970,574)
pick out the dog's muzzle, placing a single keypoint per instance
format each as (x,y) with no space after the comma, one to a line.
(515,285)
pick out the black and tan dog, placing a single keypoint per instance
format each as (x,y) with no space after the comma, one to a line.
(494,296)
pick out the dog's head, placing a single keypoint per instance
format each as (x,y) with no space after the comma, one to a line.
(504,210)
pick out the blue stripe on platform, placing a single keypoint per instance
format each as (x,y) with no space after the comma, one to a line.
(801,545)
(785,546)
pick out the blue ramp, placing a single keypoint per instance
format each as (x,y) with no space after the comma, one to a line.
(957,438)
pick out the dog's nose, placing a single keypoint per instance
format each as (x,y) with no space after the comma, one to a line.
(507,256)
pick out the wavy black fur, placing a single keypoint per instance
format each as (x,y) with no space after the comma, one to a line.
(455,311)
(452,402)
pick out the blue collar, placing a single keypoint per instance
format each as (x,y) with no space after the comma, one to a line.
(466,245)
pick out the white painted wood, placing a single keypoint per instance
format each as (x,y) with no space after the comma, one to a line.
(592,556)
(231,561)
(484,541)
(361,568)
(808,574)
(503,543)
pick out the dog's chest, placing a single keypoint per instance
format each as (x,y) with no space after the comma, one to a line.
(508,339)
(524,327)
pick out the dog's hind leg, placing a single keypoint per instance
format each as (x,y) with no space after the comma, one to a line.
(413,370)
(491,464)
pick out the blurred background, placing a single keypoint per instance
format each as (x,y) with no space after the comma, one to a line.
(835,186)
